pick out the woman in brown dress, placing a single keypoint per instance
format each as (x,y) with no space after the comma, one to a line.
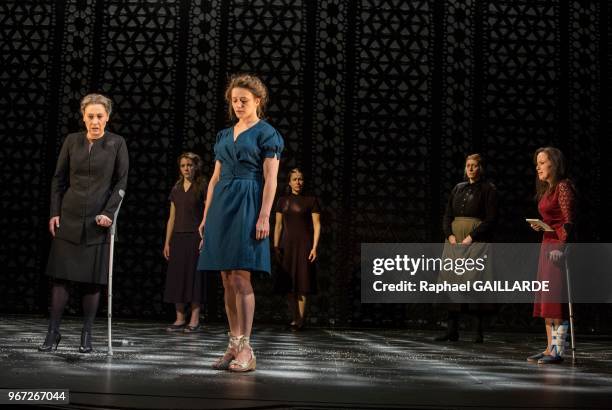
(181,249)
(296,237)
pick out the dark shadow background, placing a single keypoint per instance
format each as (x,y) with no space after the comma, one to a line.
(378,101)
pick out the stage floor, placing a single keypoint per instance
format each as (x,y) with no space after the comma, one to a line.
(316,368)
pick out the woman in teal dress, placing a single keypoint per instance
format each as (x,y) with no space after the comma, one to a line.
(236,227)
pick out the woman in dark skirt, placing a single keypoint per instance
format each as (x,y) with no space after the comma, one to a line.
(298,224)
(470,217)
(88,184)
(181,249)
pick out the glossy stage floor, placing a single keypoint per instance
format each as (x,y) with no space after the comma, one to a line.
(316,368)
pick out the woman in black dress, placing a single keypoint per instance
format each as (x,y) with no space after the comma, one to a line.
(470,216)
(298,224)
(89,181)
(181,249)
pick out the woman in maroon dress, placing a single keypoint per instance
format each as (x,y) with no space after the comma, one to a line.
(181,248)
(556,204)
(298,223)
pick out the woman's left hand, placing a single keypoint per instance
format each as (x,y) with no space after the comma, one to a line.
(555,255)
(262,228)
(467,240)
(313,255)
(104,221)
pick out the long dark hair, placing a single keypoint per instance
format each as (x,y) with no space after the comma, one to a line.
(559,170)
(198,180)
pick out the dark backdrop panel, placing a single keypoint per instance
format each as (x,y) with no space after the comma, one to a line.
(378,101)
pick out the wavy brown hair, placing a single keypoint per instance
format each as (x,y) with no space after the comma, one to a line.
(559,170)
(254,85)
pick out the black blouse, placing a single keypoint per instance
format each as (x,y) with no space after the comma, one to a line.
(189,207)
(473,200)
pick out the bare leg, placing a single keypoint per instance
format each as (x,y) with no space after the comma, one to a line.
(245,306)
(301,309)
(232,319)
(180,314)
(229,295)
(549,323)
(291,302)
(195,315)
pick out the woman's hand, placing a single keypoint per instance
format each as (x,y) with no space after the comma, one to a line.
(167,252)
(536,227)
(53,223)
(201,229)
(313,255)
(452,240)
(467,240)
(103,220)
(555,255)
(262,228)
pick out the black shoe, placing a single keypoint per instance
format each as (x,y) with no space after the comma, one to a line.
(175,328)
(53,338)
(297,327)
(478,339)
(192,329)
(85,342)
(447,337)
(534,358)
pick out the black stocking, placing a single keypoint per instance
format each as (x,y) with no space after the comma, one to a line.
(59,298)
(91,299)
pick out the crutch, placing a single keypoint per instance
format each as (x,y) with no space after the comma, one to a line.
(569,303)
(113,229)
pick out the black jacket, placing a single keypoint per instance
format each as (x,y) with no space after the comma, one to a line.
(86,183)
(476,200)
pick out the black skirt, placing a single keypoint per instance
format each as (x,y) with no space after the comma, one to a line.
(78,262)
(183,281)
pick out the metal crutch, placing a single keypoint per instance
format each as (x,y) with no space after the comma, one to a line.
(113,229)
(569,303)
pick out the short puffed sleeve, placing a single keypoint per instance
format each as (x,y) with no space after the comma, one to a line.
(270,143)
(217,147)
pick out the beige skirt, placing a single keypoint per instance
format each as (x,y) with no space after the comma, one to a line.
(462,227)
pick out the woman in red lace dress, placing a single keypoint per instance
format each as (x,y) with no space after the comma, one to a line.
(556,204)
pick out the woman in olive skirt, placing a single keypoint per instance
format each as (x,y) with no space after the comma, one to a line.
(469,218)
(87,187)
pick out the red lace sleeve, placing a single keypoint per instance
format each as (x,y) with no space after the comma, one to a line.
(567,203)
